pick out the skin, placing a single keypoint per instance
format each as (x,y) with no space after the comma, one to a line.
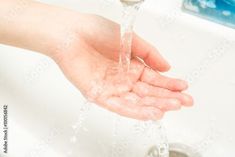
(86,48)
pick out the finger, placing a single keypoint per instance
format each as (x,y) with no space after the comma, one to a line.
(156,79)
(135,71)
(127,109)
(149,54)
(161,103)
(144,89)
(165,104)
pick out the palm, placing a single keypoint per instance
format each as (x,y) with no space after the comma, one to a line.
(141,93)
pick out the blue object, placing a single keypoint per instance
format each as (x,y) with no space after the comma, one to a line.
(220,11)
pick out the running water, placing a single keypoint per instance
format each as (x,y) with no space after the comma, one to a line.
(161,146)
(130,10)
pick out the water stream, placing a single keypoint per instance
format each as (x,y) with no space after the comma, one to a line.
(130,10)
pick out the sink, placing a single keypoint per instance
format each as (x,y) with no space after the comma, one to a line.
(49,117)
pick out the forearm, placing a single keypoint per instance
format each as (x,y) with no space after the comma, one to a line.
(32,25)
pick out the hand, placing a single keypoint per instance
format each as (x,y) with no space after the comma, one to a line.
(91,64)
(86,48)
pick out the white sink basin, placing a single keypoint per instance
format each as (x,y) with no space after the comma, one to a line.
(49,117)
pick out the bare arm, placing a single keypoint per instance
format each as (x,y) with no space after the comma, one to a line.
(86,49)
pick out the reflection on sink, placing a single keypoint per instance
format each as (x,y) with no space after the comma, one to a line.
(220,11)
